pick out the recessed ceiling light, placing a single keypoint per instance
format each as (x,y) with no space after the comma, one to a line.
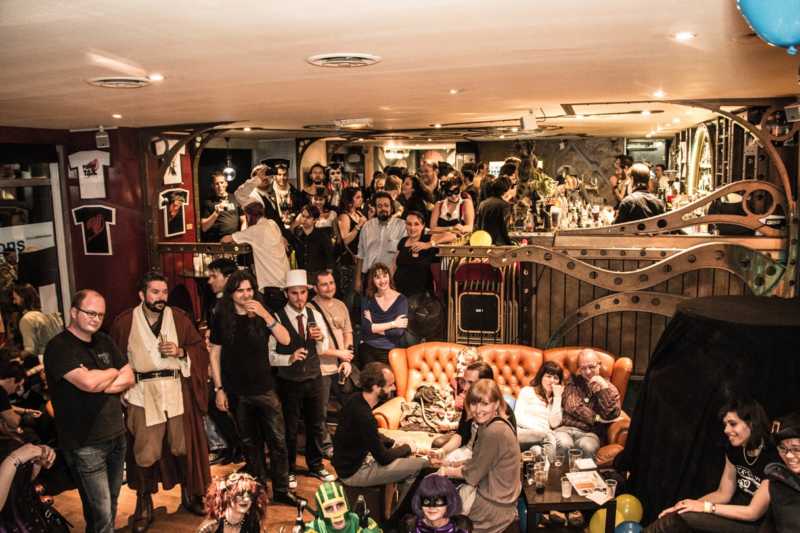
(343,60)
(683,36)
(676,120)
(455,91)
(361,139)
(246,129)
(430,140)
(437,125)
(502,136)
(155,76)
(659,94)
(515,129)
(646,112)
(579,117)
(116,116)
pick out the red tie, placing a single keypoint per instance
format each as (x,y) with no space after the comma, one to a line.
(300,329)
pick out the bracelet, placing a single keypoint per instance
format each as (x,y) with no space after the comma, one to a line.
(217,389)
(274,323)
(707,507)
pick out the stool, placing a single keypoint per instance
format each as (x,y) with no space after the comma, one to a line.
(379,499)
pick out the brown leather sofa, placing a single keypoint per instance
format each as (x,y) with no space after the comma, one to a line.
(514,367)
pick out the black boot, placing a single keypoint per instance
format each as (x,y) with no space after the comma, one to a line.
(143,516)
(191,503)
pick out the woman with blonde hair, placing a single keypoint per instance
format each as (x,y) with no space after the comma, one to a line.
(492,474)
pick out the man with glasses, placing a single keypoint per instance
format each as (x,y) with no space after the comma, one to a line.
(166,406)
(590,403)
(784,480)
(86,374)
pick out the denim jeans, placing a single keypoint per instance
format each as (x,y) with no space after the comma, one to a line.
(570,437)
(97,470)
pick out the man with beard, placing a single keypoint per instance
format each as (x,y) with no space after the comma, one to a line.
(379,237)
(221,215)
(361,455)
(337,183)
(170,364)
(243,378)
(316,178)
(260,188)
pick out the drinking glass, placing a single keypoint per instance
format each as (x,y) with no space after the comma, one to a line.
(566,487)
(559,460)
(574,455)
(612,487)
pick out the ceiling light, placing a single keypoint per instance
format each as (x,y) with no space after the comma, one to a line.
(659,94)
(579,117)
(502,136)
(361,139)
(676,120)
(155,76)
(246,129)
(515,129)
(343,60)
(353,123)
(646,112)
(437,126)
(684,36)
(229,171)
(455,91)
(116,116)
(430,140)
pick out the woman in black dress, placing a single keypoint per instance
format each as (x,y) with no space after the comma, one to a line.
(415,254)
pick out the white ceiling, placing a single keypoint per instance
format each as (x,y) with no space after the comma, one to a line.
(245,61)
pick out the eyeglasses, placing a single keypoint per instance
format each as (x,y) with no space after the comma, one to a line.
(92,314)
(786,450)
(591,366)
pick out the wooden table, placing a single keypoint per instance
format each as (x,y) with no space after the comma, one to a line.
(551,500)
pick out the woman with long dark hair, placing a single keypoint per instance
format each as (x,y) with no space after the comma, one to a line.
(742,497)
(538,409)
(412,197)
(415,254)
(384,316)
(349,224)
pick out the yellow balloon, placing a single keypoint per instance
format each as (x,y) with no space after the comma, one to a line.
(598,522)
(630,507)
(480,238)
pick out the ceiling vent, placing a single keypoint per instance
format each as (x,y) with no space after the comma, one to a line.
(343,60)
(119,82)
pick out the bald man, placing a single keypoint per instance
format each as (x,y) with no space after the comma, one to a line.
(639,203)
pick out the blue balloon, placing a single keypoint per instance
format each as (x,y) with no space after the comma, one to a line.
(629,527)
(776,21)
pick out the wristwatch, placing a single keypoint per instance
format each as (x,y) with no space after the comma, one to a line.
(217,389)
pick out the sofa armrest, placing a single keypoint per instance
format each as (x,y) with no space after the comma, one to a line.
(621,374)
(388,415)
(618,431)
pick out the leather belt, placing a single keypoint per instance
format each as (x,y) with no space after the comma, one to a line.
(155,374)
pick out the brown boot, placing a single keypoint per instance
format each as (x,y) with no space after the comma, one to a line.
(143,516)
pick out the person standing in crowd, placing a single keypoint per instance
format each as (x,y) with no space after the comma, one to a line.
(379,237)
(492,473)
(620,182)
(312,245)
(412,197)
(362,456)
(240,368)
(538,409)
(221,214)
(87,373)
(495,212)
(336,184)
(429,172)
(166,406)
(392,188)
(269,253)
(327,214)
(470,186)
(288,199)
(316,179)
(416,252)
(336,362)
(219,270)
(300,377)
(35,327)
(259,189)
(481,175)
(639,203)
(743,495)
(590,402)
(455,213)
(385,316)
(350,222)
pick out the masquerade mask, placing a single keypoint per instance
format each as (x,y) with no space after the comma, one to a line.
(433,501)
(330,499)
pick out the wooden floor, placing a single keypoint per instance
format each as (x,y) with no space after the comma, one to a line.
(168,516)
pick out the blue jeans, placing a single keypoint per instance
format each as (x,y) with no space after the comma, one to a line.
(97,470)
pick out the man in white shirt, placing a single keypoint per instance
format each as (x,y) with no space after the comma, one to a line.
(379,237)
(269,253)
(299,375)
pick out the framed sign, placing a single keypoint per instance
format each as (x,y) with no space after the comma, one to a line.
(173,203)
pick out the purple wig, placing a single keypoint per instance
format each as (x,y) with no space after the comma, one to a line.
(435,485)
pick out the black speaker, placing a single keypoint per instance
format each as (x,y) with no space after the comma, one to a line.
(480,312)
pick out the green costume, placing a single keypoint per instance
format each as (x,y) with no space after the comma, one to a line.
(332,508)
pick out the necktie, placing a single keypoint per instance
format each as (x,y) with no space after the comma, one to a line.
(300,329)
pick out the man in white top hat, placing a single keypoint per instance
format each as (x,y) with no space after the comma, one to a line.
(299,376)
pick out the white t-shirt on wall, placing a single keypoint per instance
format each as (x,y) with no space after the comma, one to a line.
(91,172)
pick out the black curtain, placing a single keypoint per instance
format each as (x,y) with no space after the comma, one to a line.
(713,348)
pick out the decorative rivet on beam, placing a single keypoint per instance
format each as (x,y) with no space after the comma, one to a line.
(692,258)
(571,265)
(643,252)
(583,252)
(655,301)
(616,301)
(719,255)
(643,277)
(597,306)
(617,281)
(623,253)
(661,223)
(771,270)
(593,275)
(635,299)
(603,252)
(548,256)
(640,227)
(663,254)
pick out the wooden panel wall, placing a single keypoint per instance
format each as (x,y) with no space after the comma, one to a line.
(556,295)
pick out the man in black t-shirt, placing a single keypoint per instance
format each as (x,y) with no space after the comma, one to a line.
(240,369)
(86,374)
(221,214)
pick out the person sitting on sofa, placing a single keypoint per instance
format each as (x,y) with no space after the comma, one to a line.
(538,409)
(589,404)
(784,480)
(362,456)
